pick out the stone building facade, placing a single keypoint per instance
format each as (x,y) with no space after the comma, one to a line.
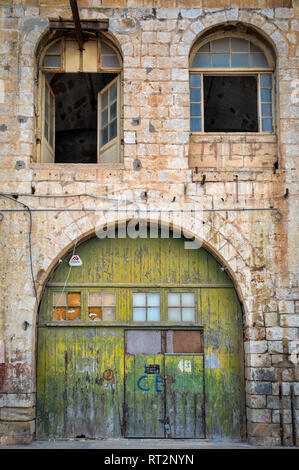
(242,186)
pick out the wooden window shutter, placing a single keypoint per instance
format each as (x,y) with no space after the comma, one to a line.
(109,122)
(48,123)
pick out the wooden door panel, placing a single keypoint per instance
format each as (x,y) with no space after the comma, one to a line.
(79,389)
(184,395)
(144,396)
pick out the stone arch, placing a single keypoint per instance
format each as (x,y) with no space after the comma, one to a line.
(257,23)
(220,246)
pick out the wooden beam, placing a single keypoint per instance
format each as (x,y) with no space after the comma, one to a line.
(67,25)
(77,23)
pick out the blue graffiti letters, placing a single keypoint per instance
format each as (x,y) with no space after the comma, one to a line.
(138,383)
(158,381)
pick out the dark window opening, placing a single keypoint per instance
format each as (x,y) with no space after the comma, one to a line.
(230,104)
(76,115)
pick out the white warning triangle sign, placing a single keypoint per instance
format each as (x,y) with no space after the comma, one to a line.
(75,261)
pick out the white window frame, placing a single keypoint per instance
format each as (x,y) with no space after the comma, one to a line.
(249,71)
(45,153)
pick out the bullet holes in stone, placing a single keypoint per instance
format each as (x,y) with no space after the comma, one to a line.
(137,164)
(25,325)
(151,127)
(135,121)
(19,165)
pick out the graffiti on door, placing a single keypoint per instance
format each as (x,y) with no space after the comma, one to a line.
(158,380)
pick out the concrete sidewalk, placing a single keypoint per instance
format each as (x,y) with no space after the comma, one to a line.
(136,444)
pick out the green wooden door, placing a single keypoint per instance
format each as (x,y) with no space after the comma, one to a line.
(144,395)
(184,395)
(80,383)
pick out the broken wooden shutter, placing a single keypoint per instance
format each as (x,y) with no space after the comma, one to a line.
(48,122)
(108,122)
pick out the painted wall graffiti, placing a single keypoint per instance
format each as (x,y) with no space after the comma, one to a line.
(158,380)
(108,374)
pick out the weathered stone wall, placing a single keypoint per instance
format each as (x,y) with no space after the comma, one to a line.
(163,167)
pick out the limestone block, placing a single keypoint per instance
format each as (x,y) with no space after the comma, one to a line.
(17,414)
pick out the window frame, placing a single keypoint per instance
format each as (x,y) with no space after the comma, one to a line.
(43,83)
(146,306)
(195,306)
(234,71)
(101,149)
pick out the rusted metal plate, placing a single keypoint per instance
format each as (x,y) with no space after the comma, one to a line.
(143,342)
(184,341)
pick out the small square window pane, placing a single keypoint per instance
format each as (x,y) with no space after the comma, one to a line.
(52,61)
(201,60)
(108,298)
(188,299)
(104,118)
(110,61)
(106,49)
(113,129)
(220,45)
(266,95)
(267,125)
(59,313)
(113,92)
(254,48)
(174,314)
(104,100)
(139,314)
(153,314)
(188,314)
(95,313)
(195,80)
(55,48)
(173,300)
(220,60)
(195,109)
(205,48)
(73,313)
(258,59)
(74,298)
(153,300)
(59,299)
(94,298)
(240,60)
(195,125)
(108,313)
(139,300)
(266,110)
(266,80)
(104,136)
(195,95)
(239,45)
(113,110)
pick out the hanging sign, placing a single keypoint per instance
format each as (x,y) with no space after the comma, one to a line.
(75,261)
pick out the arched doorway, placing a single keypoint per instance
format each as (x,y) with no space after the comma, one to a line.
(143,340)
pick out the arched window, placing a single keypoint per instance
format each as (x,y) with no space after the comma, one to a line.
(231,85)
(80,102)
